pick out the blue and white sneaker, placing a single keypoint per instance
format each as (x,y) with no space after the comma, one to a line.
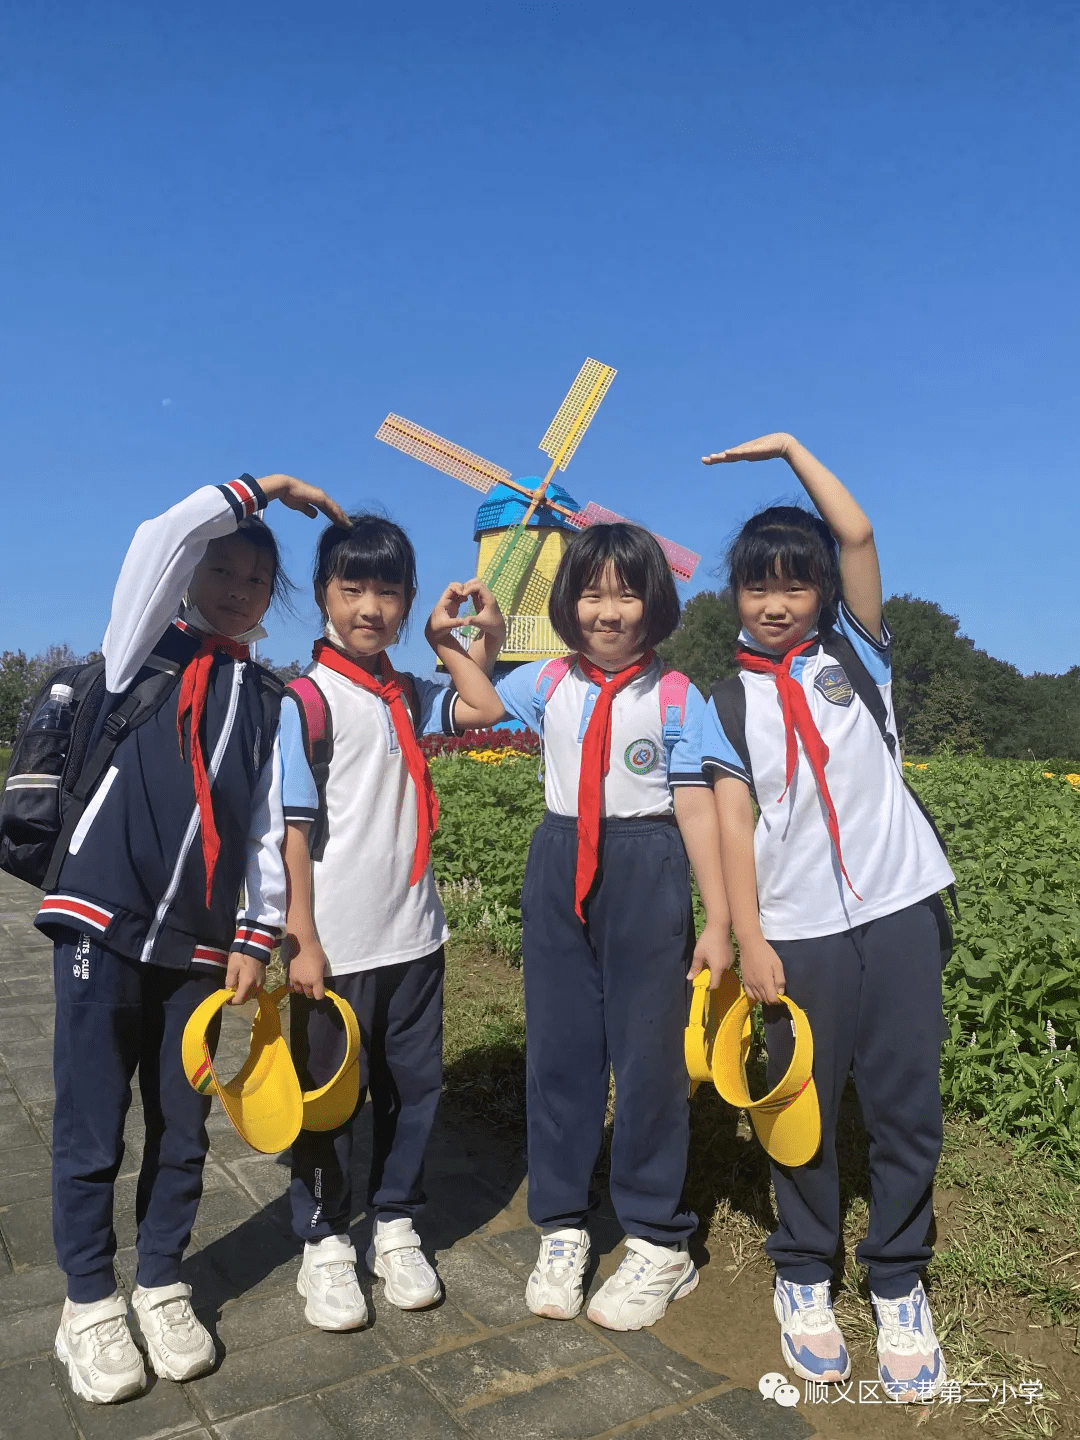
(910,1362)
(810,1339)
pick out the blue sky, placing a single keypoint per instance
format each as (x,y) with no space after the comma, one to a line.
(236,235)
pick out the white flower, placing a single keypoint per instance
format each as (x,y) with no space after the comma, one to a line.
(1051,1034)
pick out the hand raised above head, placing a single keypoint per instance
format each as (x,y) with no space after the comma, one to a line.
(299,495)
(766,447)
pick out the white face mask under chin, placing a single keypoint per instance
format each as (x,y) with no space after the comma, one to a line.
(192,615)
(330,632)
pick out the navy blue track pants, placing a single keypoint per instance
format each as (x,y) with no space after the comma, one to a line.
(399,1009)
(873,999)
(610,995)
(114,1015)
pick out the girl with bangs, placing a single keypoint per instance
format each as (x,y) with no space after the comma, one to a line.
(608,936)
(834,895)
(364,917)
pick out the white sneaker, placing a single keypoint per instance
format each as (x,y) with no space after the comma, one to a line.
(328,1282)
(178,1345)
(394,1255)
(910,1363)
(554,1288)
(642,1288)
(810,1339)
(95,1344)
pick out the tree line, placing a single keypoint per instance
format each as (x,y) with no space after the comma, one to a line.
(946,692)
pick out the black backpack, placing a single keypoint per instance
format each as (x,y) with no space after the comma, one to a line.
(729,697)
(53,773)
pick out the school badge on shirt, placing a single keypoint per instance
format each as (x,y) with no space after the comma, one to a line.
(641,756)
(834,685)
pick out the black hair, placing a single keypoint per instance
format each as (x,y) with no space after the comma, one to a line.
(639,564)
(371,548)
(789,542)
(258,534)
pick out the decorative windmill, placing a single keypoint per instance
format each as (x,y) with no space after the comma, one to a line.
(523,527)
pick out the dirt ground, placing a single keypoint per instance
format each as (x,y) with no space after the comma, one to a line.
(728,1323)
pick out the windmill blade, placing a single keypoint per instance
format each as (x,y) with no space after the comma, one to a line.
(683,562)
(576,412)
(441,454)
(509,564)
(534,597)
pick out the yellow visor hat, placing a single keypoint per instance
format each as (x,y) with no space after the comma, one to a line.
(787,1120)
(334,1103)
(707,1009)
(264,1100)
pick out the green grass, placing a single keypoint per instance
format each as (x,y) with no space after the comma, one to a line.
(5,757)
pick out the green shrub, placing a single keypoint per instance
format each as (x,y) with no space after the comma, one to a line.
(487,814)
(1012,989)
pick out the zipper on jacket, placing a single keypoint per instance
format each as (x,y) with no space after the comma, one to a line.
(193,824)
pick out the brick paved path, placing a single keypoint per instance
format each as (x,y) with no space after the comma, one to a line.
(477,1366)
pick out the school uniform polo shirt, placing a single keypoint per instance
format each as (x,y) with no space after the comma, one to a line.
(366,912)
(889,848)
(642,776)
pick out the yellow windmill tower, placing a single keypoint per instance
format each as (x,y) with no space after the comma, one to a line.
(524,525)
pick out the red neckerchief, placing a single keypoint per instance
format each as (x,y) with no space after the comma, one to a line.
(391,690)
(799,721)
(194,686)
(595,760)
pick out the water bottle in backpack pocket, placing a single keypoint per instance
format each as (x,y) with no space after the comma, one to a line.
(56,713)
(56,729)
(37,765)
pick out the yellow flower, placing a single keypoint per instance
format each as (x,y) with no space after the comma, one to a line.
(493,757)
(908,764)
(922,767)
(1073,780)
(1048,775)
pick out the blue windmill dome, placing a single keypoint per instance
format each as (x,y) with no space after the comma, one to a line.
(504,507)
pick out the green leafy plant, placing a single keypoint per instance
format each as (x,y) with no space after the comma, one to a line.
(487,814)
(1012,988)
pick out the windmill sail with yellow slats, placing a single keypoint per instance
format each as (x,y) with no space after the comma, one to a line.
(524,525)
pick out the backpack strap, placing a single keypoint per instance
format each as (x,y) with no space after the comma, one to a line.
(552,673)
(729,699)
(672,696)
(271,690)
(862,682)
(317,729)
(136,708)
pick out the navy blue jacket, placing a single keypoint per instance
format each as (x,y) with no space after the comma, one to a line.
(134,877)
